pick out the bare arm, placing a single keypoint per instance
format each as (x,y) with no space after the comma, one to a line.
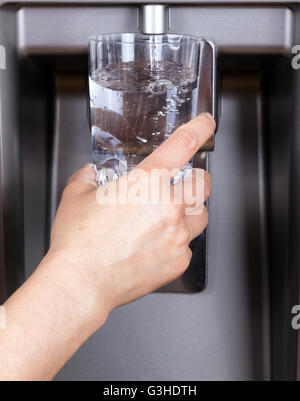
(101,256)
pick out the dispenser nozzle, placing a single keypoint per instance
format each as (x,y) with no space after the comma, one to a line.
(154,19)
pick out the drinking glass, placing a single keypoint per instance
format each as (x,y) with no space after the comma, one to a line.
(141,88)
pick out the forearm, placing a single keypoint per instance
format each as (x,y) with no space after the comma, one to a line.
(102,257)
(47,320)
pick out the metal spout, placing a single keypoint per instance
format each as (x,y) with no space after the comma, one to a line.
(154,19)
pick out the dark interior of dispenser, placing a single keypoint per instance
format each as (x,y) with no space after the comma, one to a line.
(255,90)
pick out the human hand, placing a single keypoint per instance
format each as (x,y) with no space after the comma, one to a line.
(104,255)
(125,251)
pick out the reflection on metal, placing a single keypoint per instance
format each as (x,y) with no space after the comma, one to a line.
(154,19)
(195,277)
(237,30)
(11,199)
(221,333)
(207,85)
(236,291)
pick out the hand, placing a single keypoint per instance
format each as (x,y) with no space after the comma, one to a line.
(124,251)
(103,256)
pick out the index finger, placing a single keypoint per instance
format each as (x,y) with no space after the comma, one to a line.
(181,146)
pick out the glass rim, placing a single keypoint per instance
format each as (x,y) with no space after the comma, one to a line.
(143,38)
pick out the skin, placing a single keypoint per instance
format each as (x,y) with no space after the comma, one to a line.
(100,257)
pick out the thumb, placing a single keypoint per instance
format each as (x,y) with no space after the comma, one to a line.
(85,178)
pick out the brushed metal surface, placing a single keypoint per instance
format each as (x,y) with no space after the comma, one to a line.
(221,333)
(154,19)
(175,2)
(11,194)
(296,179)
(233,29)
(216,334)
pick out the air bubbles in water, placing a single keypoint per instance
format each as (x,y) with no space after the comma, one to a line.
(135,106)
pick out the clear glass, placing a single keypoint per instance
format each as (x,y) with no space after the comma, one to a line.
(141,88)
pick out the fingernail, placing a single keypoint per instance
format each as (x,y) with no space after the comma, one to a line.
(88,165)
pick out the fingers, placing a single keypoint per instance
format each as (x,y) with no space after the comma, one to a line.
(181,146)
(196,223)
(196,215)
(193,190)
(85,178)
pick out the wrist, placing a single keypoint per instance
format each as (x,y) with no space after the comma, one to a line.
(48,318)
(79,296)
